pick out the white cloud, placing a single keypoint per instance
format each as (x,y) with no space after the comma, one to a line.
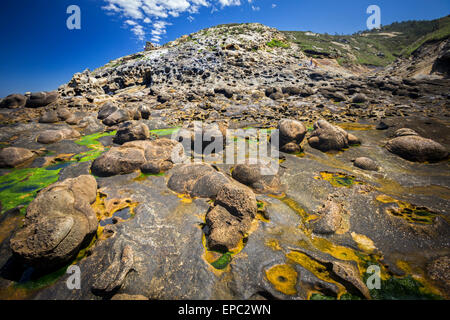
(274,5)
(158,11)
(138,30)
(255,8)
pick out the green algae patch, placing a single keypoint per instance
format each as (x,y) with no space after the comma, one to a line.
(92,142)
(408,211)
(20,186)
(144,176)
(339,180)
(222,262)
(405,288)
(321,297)
(165,132)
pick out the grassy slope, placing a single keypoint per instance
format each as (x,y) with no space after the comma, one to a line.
(373,47)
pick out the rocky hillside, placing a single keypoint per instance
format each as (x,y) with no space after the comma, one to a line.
(377,48)
(101,174)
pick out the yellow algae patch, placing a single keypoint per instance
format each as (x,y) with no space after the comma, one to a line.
(105,209)
(339,252)
(273,244)
(364,243)
(315,267)
(385,199)
(296,207)
(419,275)
(409,212)
(337,179)
(284,278)
(185,198)
(352,126)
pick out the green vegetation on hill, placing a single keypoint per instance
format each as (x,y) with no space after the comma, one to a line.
(376,47)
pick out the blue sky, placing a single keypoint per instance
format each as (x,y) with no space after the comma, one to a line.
(40,53)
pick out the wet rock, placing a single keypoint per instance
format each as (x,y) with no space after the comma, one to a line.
(353,140)
(410,146)
(239,200)
(349,272)
(90,125)
(163,98)
(13,101)
(131,156)
(228,93)
(106,110)
(382,126)
(117,161)
(197,180)
(57,224)
(327,137)
(331,218)
(201,137)
(116,117)
(63,113)
(438,270)
(291,133)
(404,132)
(53,136)
(12,157)
(224,231)
(50,116)
(261,178)
(41,99)
(144,111)
(131,131)
(276,96)
(359,98)
(111,279)
(230,219)
(335,95)
(128,297)
(366,164)
(73,119)
(269,91)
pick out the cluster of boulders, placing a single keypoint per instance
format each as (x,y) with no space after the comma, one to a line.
(30,100)
(229,219)
(327,137)
(110,114)
(324,137)
(148,156)
(59,221)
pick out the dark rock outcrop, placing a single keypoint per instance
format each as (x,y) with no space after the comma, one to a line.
(410,146)
(58,223)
